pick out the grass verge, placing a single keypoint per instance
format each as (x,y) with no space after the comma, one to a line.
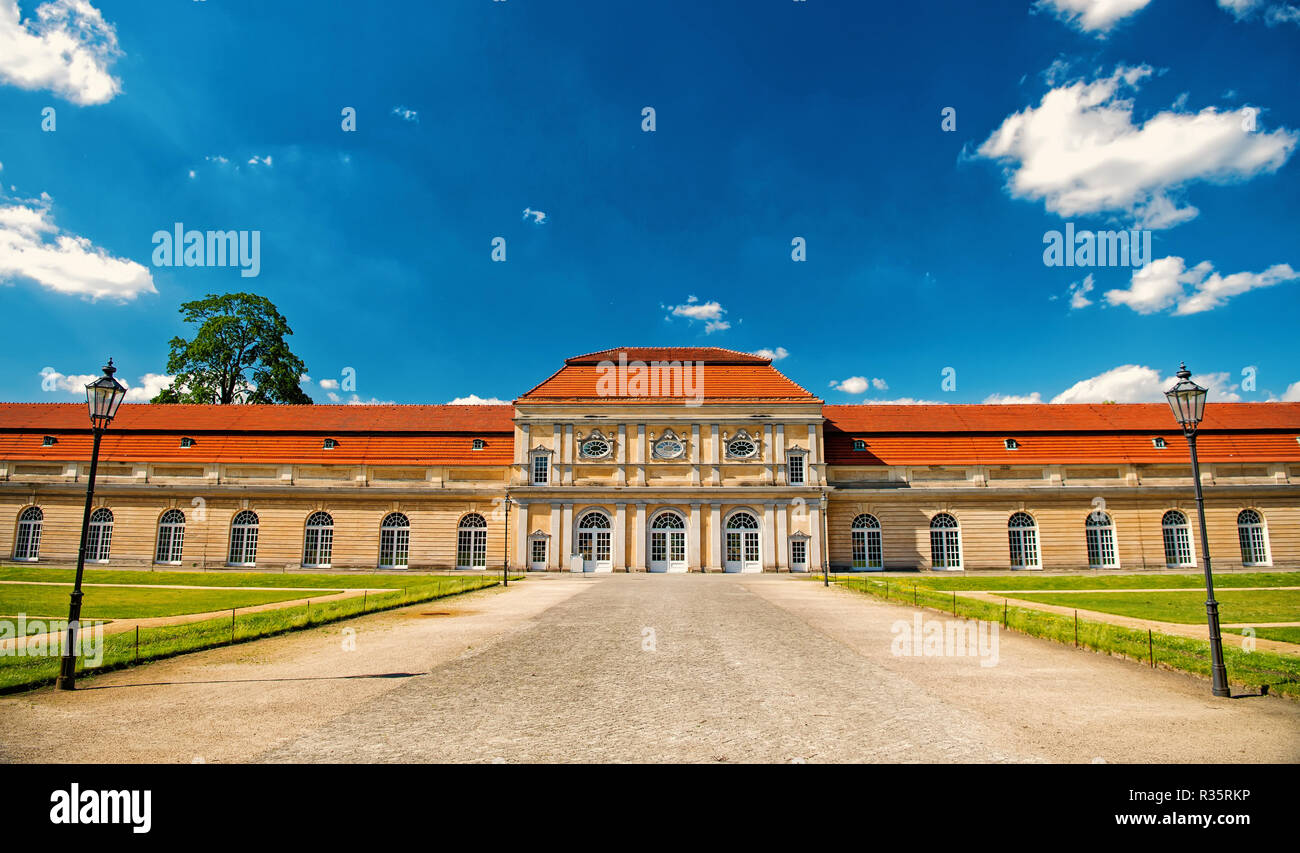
(1253,670)
(120,650)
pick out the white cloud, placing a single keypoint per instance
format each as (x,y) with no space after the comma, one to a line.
(406,114)
(264,161)
(1132,383)
(1166,283)
(774,354)
(1079,291)
(695,310)
(1092,16)
(1292,393)
(476,400)
(1273,13)
(1013,399)
(67,50)
(903,401)
(216,158)
(859,385)
(329,384)
(33,247)
(148,387)
(1080,152)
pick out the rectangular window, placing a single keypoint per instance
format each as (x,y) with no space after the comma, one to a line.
(795,467)
(1101,548)
(539,551)
(867,551)
(799,552)
(541,470)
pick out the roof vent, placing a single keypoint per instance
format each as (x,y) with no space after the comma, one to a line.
(1159,442)
(1012,444)
(330,444)
(50,441)
(479,444)
(860,444)
(186,441)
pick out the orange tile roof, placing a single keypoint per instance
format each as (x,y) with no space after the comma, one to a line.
(723,376)
(267,434)
(264,418)
(1057,434)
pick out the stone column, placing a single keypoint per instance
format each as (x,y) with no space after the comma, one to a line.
(620,535)
(782,472)
(715,455)
(716,556)
(620,476)
(640,454)
(695,454)
(638,542)
(522,557)
(553,553)
(566,534)
(693,539)
(568,455)
(782,538)
(769,455)
(815,543)
(769,536)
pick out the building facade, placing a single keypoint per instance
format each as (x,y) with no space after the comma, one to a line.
(653,459)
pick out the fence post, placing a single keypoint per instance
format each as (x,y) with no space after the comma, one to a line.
(309,611)
(1151,649)
(1004,613)
(364,595)
(232,624)
(137,642)
(954,604)
(1076,629)
(913,595)
(886,590)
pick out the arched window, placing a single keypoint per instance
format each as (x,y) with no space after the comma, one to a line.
(171,537)
(27,545)
(668,543)
(1022,534)
(593,541)
(945,542)
(99,535)
(1254,538)
(243,539)
(318,544)
(394,541)
(471,542)
(742,549)
(1178,539)
(1099,530)
(867,551)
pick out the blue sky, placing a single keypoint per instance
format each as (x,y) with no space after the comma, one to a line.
(773,120)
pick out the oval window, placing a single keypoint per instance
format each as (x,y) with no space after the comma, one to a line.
(741,447)
(669,449)
(595,448)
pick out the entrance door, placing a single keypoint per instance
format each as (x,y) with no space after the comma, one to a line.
(593,542)
(668,543)
(742,551)
(798,555)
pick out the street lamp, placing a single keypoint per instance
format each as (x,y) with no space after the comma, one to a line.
(1187,399)
(103,396)
(505,548)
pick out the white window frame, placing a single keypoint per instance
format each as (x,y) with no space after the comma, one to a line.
(471,541)
(1169,535)
(248,538)
(175,541)
(949,540)
(1245,531)
(791,457)
(27,542)
(544,457)
(318,541)
(866,538)
(1022,540)
(1099,538)
(99,535)
(395,541)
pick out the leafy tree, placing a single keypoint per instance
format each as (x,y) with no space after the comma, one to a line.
(238,354)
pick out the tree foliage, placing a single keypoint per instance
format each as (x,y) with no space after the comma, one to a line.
(237,355)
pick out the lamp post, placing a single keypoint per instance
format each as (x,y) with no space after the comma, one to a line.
(505,548)
(1187,399)
(103,396)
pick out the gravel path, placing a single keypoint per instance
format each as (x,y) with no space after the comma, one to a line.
(563,668)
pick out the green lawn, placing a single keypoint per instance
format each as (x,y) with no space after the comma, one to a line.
(351,580)
(1182,606)
(1037,580)
(110,602)
(1252,670)
(22,672)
